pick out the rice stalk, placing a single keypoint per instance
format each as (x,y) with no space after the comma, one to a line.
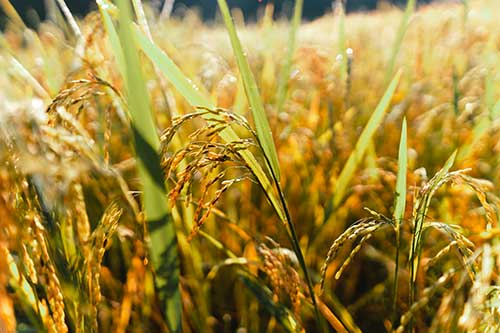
(421,206)
(7,315)
(65,166)
(403,28)
(471,307)
(46,269)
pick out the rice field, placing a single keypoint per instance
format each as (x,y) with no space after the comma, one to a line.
(165,174)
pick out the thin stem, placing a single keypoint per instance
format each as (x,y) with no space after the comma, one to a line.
(292,235)
(396,270)
(71,20)
(166,11)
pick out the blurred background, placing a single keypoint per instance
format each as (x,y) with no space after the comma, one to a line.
(34,11)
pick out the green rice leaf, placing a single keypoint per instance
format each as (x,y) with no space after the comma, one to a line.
(478,132)
(259,115)
(400,200)
(163,240)
(449,163)
(114,40)
(357,154)
(400,204)
(403,27)
(495,112)
(187,89)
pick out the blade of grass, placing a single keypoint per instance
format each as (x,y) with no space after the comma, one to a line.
(166,11)
(114,40)
(361,145)
(478,132)
(141,17)
(23,73)
(400,200)
(71,20)
(256,106)
(399,205)
(80,40)
(292,45)
(187,89)
(143,24)
(163,240)
(354,160)
(403,27)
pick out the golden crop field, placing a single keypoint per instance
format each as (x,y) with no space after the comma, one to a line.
(164,174)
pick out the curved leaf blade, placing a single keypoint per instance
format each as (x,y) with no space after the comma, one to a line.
(362,144)
(163,239)
(252,91)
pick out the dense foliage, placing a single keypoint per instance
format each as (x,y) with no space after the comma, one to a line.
(339,175)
